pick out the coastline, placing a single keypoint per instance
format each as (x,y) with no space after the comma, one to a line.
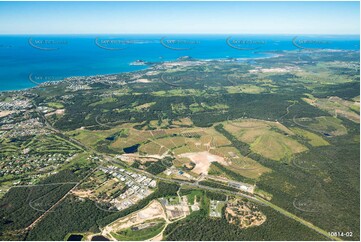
(147,65)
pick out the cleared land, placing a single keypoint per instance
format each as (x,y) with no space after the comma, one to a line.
(337,106)
(269,139)
(329,126)
(202,160)
(195,148)
(154,211)
(312,138)
(244,214)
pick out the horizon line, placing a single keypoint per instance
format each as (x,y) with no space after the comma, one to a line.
(356,34)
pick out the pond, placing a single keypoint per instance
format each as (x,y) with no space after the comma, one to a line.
(99,238)
(110,138)
(131,149)
(75,237)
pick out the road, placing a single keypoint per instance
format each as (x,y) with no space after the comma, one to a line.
(253,198)
(298,219)
(49,126)
(45,184)
(196,185)
(59,201)
(287,111)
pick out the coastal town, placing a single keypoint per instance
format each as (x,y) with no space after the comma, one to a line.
(162,141)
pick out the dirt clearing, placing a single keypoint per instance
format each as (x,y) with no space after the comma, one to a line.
(202,160)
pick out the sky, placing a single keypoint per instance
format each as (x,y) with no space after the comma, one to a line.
(179,17)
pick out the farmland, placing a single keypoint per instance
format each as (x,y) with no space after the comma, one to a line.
(186,150)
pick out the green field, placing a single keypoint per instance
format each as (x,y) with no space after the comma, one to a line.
(288,124)
(269,139)
(324,124)
(312,138)
(52,144)
(55,105)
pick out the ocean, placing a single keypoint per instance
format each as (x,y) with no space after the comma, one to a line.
(29,59)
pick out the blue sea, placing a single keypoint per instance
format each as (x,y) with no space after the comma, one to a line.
(24,58)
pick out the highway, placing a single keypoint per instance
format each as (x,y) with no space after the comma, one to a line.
(253,198)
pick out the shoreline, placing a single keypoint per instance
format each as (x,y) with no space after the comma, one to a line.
(148,66)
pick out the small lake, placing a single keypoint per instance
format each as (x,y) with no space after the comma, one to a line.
(99,238)
(131,149)
(75,237)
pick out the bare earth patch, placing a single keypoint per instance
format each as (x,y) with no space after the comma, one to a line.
(5,113)
(143,80)
(202,160)
(244,214)
(57,112)
(152,211)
